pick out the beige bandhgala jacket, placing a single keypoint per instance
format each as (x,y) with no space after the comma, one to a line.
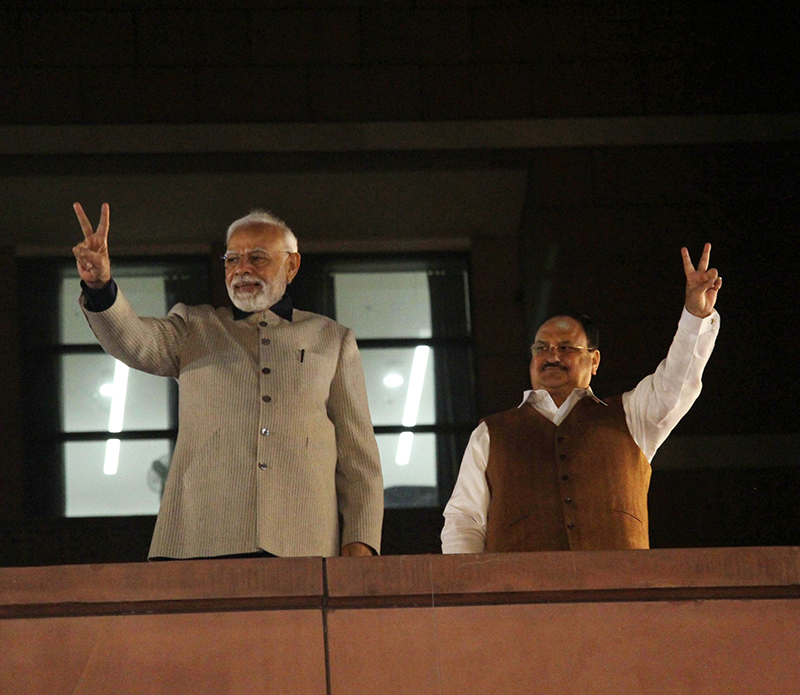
(275,440)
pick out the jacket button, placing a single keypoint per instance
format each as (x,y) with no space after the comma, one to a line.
(560,439)
(265,341)
(266,370)
(568,500)
(562,456)
(265,431)
(570,525)
(564,477)
(266,399)
(262,323)
(262,466)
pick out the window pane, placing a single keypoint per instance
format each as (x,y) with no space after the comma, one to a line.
(411,484)
(146,295)
(400,392)
(384,305)
(134,489)
(88,388)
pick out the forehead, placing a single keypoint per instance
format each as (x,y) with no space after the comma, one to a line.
(265,236)
(561,329)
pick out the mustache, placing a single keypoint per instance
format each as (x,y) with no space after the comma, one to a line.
(554,365)
(246,279)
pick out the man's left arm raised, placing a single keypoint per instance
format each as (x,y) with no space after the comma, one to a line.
(660,400)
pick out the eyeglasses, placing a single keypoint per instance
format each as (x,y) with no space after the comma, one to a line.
(257,259)
(563,350)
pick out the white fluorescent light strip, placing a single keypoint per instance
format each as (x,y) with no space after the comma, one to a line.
(115,418)
(112,457)
(415,383)
(403,455)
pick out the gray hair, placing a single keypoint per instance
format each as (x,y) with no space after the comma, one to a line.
(264,217)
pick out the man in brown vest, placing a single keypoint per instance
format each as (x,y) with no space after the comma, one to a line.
(566,470)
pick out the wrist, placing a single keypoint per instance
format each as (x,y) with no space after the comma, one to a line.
(699,314)
(98,284)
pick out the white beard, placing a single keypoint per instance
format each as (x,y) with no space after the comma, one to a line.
(261,300)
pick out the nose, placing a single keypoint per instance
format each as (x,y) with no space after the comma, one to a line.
(553,354)
(243,265)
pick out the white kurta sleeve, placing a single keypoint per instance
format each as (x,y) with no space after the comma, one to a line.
(465,514)
(660,400)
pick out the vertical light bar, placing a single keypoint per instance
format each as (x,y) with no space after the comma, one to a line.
(411,410)
(116,416)
(112,457)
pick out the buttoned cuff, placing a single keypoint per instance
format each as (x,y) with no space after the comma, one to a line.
(696,326)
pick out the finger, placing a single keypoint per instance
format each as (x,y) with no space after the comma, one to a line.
(86,226)
(88,258)
(687,261)
(711,276)
(703,264)
(82,258)
(102,228)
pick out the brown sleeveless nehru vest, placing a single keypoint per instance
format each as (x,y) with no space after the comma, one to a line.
(579,486)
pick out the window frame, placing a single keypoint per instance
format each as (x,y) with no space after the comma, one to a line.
(44,447)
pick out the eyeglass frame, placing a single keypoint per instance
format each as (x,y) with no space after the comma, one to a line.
(231,255)
(562,350)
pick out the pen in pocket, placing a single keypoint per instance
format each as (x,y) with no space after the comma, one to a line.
(302,355)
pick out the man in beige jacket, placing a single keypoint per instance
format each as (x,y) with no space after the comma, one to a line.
(275,441)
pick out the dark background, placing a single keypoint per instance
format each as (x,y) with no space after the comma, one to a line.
(598,222)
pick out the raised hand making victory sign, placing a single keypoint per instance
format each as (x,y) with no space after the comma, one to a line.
(91,254)
(702,284)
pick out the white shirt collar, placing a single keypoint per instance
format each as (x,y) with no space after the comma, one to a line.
(543,403)
(543,397)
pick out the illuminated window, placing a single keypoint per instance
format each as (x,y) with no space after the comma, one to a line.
(411,320)
(101,435)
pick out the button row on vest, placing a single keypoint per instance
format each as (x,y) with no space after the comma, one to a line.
(265,431)
(570,525)
(265,370)
(560,439)
(262,466)
(568,500)
(266,399)
(265,341)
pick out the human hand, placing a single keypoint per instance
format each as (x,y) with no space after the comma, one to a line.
(91,255)
(702,284)
(356,550)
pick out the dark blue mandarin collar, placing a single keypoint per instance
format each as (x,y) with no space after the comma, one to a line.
(102,299)
(283,308)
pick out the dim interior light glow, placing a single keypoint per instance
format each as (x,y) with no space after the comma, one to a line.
(115,418)
(393,380)
(411,411)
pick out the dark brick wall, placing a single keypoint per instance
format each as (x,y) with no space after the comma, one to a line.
(10,422)
(353,60)
(611,221)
